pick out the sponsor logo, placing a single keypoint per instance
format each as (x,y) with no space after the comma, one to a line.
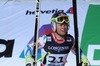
(48,38)
(93,54)
(57,48)
(6,48)
(28,12)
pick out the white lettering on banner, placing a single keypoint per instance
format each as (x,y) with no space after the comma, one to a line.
(90,54)
(2,48)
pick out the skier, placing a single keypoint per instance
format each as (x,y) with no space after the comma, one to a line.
(56,46)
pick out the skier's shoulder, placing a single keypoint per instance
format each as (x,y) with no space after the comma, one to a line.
(69,36)
(45,36)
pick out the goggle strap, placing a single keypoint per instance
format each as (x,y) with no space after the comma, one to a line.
(53,20)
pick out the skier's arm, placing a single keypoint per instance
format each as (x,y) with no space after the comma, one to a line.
(84,59)
(28,52)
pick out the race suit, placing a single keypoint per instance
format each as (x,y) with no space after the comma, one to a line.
(58,50)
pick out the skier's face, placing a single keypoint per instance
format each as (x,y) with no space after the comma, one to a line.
(62,28)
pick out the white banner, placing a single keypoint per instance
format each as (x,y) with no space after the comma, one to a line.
(17,27)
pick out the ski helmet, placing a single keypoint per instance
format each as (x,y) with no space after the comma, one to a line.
(59,17)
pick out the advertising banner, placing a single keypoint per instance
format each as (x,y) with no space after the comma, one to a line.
(17,23)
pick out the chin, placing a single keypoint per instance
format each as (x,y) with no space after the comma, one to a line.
(63,34)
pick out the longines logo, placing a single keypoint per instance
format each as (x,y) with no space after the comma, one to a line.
(57,48)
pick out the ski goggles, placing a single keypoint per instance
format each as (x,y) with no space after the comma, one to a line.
(60,19)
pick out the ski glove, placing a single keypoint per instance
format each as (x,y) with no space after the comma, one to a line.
(85,61)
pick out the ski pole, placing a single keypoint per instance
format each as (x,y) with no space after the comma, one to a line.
(35,48)
(76,33)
